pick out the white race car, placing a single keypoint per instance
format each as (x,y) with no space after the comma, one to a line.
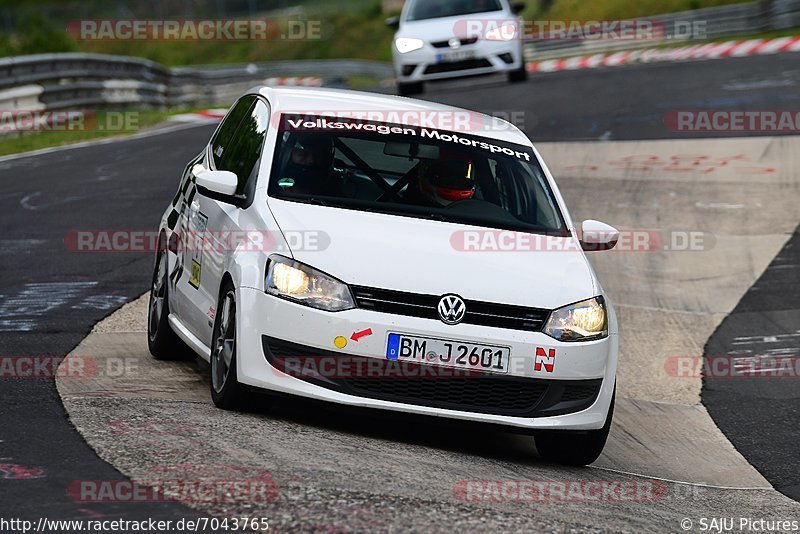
(443,39)
(387,264)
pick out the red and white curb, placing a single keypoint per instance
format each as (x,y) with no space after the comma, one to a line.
(302,81)
(216,115)
(753,47)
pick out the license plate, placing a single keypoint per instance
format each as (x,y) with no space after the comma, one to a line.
(449,57)
(448,353)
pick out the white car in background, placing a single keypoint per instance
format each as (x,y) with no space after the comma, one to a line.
(442,39)
(391,310)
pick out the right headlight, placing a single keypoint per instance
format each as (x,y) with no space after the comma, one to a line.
(295,281)
(582,321)
(406,44)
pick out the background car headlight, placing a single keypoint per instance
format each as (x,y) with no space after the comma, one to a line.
(582,321)
(407,44)
(295,281)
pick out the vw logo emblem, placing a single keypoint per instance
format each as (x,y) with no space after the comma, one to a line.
(452,309)
(454,42)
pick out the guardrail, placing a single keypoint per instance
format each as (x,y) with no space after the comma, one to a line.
(69,80)
(58,81)
(716,22)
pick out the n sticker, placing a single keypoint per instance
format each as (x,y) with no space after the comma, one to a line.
(544,360)
(194,280)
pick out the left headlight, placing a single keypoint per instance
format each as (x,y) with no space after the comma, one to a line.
(406,44)
(583,321)
(295,281)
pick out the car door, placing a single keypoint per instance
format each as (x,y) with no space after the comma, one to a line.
(212,220)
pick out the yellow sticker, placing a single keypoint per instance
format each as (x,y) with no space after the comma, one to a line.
(194,279)
(340,342)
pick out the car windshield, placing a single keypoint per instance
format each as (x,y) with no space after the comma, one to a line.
(434,9)
(412,171)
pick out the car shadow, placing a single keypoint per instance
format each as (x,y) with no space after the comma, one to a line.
(463,437)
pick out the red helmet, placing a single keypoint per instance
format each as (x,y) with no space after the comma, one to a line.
(448,181)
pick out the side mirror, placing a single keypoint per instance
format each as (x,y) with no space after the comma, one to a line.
(219,182)
(598,236)
(517,7)
(393,22)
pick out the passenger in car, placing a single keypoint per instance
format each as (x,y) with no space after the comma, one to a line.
(309,169)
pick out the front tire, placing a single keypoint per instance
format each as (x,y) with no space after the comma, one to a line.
(518,75)
(226,391)
(162,342)
(574,448)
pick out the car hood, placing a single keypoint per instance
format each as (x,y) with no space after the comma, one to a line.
(442,29)
(418,256)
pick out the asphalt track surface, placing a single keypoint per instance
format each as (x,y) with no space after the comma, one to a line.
(52,297)
(760,416)
(630,103)
(126,184)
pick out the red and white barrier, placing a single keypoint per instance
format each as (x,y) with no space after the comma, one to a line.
(301,81)
(752,47)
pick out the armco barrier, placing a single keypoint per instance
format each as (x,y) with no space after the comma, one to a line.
(57,81)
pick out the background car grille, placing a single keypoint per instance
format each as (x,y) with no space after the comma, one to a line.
(425,306)
(435,387)
(487,394)
(452,66)
(446,44)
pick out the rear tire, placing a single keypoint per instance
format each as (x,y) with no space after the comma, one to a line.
(519,75)
(226,391)
(574,448)
(410,89)
(162,341)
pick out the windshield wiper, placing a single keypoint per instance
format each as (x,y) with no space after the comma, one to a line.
(438,217)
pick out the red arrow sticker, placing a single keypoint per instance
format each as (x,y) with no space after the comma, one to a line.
(358,335)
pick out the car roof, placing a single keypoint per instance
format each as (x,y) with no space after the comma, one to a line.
(390,108)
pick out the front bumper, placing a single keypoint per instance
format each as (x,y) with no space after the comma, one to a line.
(575,396)
(486,57)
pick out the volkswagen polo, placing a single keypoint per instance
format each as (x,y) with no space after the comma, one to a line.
(395,264)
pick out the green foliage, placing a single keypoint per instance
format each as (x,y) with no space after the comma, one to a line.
(359,34)
(616,9)
(349,29)
(35,35)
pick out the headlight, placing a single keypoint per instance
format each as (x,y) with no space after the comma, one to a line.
(300,283)
(406,44)
(582,321)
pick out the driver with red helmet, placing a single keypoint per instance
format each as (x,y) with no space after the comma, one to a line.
(444,182)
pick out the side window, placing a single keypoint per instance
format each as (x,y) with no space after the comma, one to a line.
(244,150)
(226,130)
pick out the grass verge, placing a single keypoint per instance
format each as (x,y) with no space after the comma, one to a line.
(104,125)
